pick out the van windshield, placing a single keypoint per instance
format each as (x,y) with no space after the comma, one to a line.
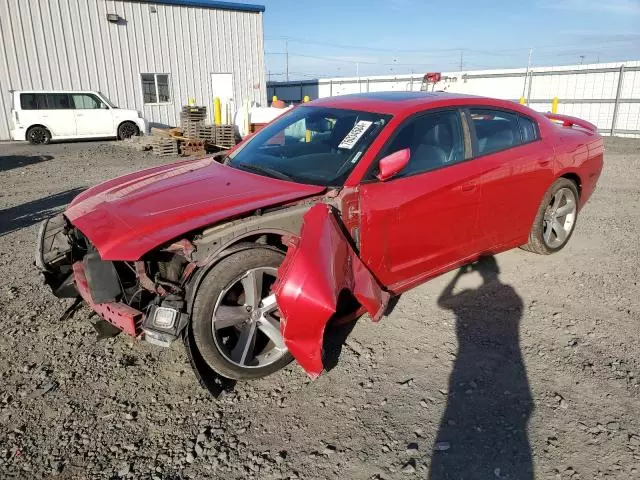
(106,100)
(313,145)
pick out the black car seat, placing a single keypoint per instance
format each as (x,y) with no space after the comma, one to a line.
(426,153)
(500,140)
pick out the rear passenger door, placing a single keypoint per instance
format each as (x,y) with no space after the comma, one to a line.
(93,117)
(518,169)
(59,115)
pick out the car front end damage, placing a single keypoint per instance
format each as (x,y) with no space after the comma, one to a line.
(152,298)
(122,293)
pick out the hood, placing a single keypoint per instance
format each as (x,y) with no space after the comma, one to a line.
(126,217)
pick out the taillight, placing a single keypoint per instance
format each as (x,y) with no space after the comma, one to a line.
(16,117)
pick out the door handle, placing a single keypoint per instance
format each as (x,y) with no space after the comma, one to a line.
(544,163)
(467,187)
(79,114)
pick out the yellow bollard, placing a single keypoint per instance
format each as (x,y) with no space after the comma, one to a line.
(274,99)
(307,136)
(306,99)
(554,105)
(217,111)
(523,101)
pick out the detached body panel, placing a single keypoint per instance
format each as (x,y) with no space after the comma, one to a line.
(319,265)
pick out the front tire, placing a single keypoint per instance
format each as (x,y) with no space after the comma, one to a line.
(127,130)
(235,321)
(38,136)
(556,218)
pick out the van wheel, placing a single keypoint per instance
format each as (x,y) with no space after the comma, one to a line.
(127,130)
(38,136)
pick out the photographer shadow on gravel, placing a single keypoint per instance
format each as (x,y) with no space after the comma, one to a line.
(483,432)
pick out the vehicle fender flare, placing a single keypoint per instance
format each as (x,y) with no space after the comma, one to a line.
(38,125)
(573,176)
(126,120)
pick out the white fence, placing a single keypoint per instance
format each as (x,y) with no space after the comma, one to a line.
(606,94)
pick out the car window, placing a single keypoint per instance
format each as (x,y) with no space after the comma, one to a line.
(528,129)
(59,101)
(84,101)
(314,145)
(33,101)
(434,139)
(495,130)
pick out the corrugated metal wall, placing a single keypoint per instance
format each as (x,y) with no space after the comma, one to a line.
(69,44)
(585,91)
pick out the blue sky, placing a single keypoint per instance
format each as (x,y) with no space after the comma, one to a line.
(338,38)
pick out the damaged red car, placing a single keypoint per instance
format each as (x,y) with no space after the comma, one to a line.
(327,212)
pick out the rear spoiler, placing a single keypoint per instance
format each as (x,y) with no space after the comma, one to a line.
(568,121)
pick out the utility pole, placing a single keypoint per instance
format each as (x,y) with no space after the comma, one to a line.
(526,73)
(581,59)
(286,51)
(461,59)
(358,69)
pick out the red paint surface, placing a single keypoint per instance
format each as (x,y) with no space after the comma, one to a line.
(410,229)
(118,314)
(318,266)
(129,216)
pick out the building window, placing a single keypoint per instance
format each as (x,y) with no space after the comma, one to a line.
(155,87)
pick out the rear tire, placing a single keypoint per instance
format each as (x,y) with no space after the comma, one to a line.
(127,130)
(556,219)
(38,135)
(220,337)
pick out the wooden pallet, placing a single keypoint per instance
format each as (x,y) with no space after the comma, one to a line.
(164,146)
(207,132)
(225,136)
(191,119)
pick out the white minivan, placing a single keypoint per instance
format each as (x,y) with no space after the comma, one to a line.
(41,116)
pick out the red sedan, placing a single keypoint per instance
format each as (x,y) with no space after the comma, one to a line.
(327,212)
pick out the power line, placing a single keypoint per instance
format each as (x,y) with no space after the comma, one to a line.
(455,49)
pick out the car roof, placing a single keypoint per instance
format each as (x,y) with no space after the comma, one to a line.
(406,102)
(54,91)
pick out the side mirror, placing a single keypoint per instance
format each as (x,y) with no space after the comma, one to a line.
(393,164)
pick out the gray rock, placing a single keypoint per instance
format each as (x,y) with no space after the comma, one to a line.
(409,467)
(442,446)
(124,470)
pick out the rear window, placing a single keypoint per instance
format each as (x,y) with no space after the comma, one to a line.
(59,101)
(528,129)
(495,130)
(33,101)
(45,101)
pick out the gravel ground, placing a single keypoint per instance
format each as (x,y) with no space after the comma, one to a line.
(530,374)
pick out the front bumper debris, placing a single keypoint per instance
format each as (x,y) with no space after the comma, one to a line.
(118,314)
(319,265)
(53,256)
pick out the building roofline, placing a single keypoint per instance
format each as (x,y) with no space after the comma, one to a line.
(238,7)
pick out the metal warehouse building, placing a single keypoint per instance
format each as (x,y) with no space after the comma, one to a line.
(151,56)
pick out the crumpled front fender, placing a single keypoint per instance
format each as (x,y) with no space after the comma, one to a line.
(319,264)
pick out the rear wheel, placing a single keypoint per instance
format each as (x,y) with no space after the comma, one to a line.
(127,130)
(38,136)
(556,218)
(236,322)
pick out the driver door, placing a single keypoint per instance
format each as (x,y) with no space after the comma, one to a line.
(424,220)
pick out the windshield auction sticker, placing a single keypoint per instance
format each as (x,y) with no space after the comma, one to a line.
(355,134)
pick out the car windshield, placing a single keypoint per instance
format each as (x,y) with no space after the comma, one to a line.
(106,100)
(313,145)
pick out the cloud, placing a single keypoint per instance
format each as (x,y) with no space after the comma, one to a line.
(620,7)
